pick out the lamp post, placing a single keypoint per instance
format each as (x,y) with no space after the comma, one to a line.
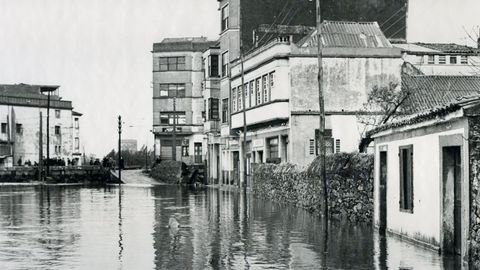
(48,90)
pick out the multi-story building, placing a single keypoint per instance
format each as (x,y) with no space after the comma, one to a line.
(280,94)
(177,96)
(23,120)
(441,58)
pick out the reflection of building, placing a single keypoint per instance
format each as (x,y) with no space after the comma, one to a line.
(21,106)
(426,179)
(129,145)
(177,94)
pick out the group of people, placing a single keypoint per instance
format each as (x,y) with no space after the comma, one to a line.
(51,162)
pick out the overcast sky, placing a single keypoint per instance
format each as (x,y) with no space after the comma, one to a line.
(99,51)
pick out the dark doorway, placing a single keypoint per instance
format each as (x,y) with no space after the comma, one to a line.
(452,199)
(383,191)
(236,167)
(197,152)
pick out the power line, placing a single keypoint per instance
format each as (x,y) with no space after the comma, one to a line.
(391,17)
(274,21)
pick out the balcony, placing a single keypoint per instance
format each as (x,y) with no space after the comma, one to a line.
(167,129)
(274,110)
(212,126)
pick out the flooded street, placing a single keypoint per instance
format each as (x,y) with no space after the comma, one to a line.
(54,227)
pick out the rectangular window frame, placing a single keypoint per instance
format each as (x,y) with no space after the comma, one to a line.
(442,59)
(464,60)
(265,86)
(225,110)
(58,130)
(453,60)
(258,91)
(225,63)
(4,128)
(175,63)
(406,181)
(234,99)
(225,14)
(431,59)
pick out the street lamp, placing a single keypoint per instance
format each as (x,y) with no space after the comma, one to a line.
(48,90)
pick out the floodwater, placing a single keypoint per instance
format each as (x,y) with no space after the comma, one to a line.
(68,227)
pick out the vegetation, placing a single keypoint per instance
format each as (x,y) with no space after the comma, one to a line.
(133,159)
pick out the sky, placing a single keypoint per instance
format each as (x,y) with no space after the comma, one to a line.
(99,51)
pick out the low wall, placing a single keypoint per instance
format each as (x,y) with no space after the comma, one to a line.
(58,174)
(349,181)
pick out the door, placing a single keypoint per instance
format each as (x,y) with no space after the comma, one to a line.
(383,191)
(197,152)
(236,167)
(452,199)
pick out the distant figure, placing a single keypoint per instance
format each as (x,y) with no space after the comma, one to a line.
(19,162)
(91,161)
(69,162)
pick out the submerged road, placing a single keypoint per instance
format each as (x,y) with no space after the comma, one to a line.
(136,177)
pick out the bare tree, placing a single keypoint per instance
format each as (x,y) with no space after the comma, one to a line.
(384,103)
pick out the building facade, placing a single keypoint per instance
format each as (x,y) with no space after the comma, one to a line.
(23,118)
(177,98)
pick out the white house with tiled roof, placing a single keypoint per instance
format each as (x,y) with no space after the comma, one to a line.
(441,58)
(23,110)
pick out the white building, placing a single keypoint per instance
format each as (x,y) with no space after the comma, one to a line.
(23,110)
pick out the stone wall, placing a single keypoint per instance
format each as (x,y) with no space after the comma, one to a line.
(474,176)
(350,185)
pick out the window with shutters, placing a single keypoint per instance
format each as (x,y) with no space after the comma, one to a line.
(234,99)
(251,87)
(431,59)
(239,96)
(311,147)
(337,146)
(245,91)
(442,59)
(406,178)
(258,92)
(265,88)
(464,60)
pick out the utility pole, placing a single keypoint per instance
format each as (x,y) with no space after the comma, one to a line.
(119,149)
(48,134)
(321,103)
(244,143)
(40,149)
(174,132)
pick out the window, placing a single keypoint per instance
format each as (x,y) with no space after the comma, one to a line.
(185,151)
(225,15)
(225,110)
(225,64)
(172,90)
(273,147)
(166,118)
(442,59)
(239,96)
(406,178)
(57,130)
(464,60)
(197,152)
(245,90)
(271,79)
(213,65)
(311,147)
(57,113)
(265,88)
(337,146)
(4,128)
(252,93)
(234,99)
(172,63)
(77,143)
(258,93)
(77,126)
(18,128)
(213,109)
(431,59)
(453,60)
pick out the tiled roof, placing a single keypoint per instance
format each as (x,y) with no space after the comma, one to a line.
(193,44)
(29,95)
(349,35)
(427,92)
(450,48)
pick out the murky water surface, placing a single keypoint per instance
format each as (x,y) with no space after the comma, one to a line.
(110,228)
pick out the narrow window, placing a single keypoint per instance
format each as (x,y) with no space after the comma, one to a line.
(18,128)
(4,128)
(453,59)
(271,79)
(239,96)
(213,65)
(442,59)
(57,113)
(265,88)
(252,93)
(273,147)
(247,100)
(77,143)
(213,109)
(234,99)
(77,125)
(225,110)
(406,178)
(431,59)
(225,64)
(225,14)
(185,151)
(311,147)
(57,130)
(337,146)
(258,92)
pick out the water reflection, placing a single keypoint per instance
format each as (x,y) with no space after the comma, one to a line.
(114,228)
